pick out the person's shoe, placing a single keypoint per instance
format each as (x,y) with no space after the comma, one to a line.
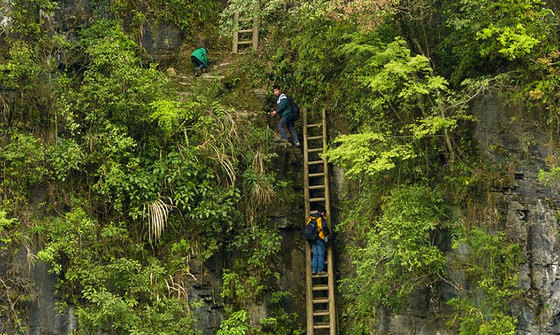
(296,145)
(197,72)
(322,273)
(314,273)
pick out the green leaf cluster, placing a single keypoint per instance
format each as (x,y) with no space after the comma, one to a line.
(492,265)
(398,256)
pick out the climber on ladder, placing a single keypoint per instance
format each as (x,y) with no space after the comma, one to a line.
(289,113)
(317,234)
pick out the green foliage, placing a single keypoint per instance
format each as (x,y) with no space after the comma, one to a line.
(369,154)
(492,265)
(398,256)
(247,280)
(23,166)
(118,293)
(505,30)
(28,17)
(236,324)
(281,322)
(551,177)
(402,84)
(109,143)
(64,157)
(171,115)
(186,15)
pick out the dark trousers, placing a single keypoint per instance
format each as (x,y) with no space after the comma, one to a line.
(197,63)
(290,125)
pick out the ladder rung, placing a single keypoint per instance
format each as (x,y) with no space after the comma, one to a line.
(321,326)
(315,162)
(320,174)
(315,137)
(320,287)
(321,313)
(314,125)
(315,150)
(245,31)
(321,301)
(245,42)
(316,199)
(317,187)
(320,276)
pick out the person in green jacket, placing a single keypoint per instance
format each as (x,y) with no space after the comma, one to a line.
(199,60)
(284,110)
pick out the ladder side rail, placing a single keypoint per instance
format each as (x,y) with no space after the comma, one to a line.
(308,279)
(256,24)
(330,265)
(235,45)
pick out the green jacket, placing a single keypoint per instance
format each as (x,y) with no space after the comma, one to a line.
(284,109)
(200,54)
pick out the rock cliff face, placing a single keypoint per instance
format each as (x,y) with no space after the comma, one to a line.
(528,210)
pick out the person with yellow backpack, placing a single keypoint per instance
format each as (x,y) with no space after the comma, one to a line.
(317,234)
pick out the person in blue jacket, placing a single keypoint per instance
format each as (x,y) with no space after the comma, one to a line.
(284,109)
(200,60)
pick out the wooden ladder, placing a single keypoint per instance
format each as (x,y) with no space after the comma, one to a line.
(240,36)
(320,289)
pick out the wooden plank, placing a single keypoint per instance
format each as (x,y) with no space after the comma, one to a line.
(245,31)
(313,162)
(315,150)
(319,174)
(316,199)
(320,287)
(314,125)
(244,42)
(320,276)
(315,137)
(317,187)
(321,326)
(320,301)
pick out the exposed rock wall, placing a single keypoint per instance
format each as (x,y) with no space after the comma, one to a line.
(528,209)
